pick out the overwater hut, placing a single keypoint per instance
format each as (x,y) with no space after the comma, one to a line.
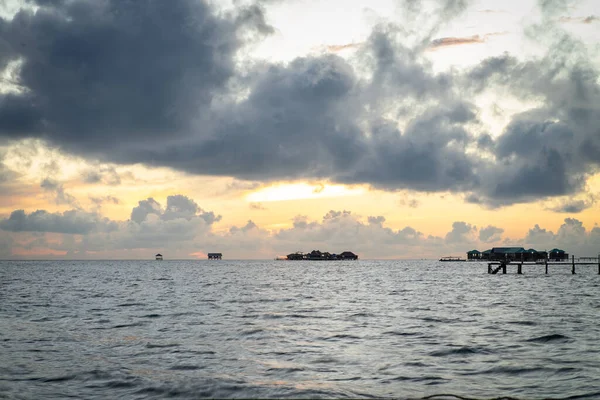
(558,255)
(509,254)
(485,255)
(296,256)
(348,255)
(215,256)
(159,257)
(506,253)
(473,255)
(315,255)
(539,255)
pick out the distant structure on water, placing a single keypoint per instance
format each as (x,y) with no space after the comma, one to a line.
(451,258)
(516,254)
(159,257)
(317,255)
(215,256)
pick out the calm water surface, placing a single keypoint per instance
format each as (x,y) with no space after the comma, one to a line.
(368,329)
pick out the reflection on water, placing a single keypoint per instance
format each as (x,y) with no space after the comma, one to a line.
(194,329)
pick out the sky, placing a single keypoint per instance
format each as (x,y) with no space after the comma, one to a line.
(391,128)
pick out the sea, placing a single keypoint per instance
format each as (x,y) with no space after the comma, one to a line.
(401,329)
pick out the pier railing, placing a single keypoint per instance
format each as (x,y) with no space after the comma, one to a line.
(496,266)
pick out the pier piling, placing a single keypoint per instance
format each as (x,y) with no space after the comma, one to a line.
(495,266)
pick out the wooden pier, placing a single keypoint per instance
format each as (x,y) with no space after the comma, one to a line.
(496,266)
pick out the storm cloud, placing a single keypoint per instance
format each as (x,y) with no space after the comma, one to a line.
(102,74)
(158,83)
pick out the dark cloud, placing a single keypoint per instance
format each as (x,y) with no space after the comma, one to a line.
(290,126)
(157,83)
(103,174)
(103,74)
(549,150)
(573,206)
(428,156)
(6,53)
(70,222)
(299,120)
(58,191)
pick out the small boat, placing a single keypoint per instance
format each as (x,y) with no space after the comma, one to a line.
(452,259)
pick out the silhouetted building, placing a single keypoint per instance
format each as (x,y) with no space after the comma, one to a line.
(473,255)
(348,255)
(317,255)
(558,255)
(215,256)
(513,254)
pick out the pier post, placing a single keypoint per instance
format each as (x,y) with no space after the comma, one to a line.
(598,264)
(573,263)
(490,269)
(504,268)
(519,269)
(547,266)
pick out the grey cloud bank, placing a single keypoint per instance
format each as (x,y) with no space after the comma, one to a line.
(157,83)
(182,229)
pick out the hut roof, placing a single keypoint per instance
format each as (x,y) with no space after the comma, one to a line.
(507,250)
(474,252)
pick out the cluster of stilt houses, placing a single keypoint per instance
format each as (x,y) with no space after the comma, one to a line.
(317,255)
(516,254)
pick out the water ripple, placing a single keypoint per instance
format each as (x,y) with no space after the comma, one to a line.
(268,329)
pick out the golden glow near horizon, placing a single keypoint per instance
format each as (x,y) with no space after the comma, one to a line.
(301,191)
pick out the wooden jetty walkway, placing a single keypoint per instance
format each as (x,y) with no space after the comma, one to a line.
(495,266)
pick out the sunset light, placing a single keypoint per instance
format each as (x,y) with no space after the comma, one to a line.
(301,191)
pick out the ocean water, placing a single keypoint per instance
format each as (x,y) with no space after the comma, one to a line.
(285,329)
